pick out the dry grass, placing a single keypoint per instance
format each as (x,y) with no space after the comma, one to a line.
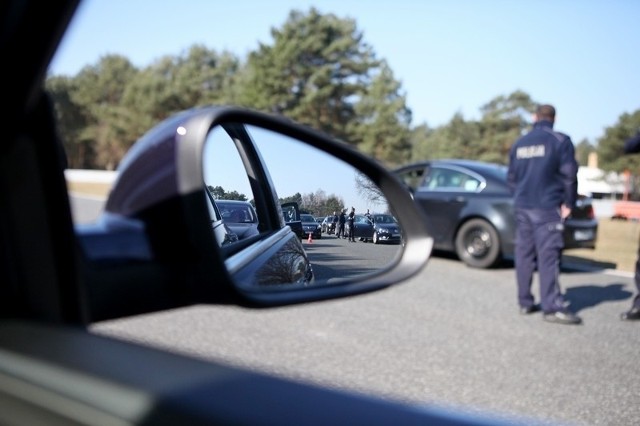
(616,247)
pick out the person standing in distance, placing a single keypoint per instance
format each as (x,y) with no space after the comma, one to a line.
(632,146)
(341,221)
(350,221)
(543,178)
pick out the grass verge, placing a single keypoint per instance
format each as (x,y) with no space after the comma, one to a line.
(616,246)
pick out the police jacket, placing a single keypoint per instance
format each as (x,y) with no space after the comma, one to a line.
(542,169)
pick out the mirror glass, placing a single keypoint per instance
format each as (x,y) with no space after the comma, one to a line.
(311,189)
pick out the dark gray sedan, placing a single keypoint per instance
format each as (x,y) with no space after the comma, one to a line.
(240,216)
(385,229)
(470,210)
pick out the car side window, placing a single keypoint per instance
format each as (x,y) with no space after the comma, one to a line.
(450,180)
(227,181)
(412,178)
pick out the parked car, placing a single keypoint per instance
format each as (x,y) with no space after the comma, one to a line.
(385,229)
(328,226)
(363,228)
(240,216)
(291,215)
(311,226)
(470,210)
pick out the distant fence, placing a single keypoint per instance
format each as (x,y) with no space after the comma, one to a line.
(617,209)
(90,176)
(96,183)
(626,210)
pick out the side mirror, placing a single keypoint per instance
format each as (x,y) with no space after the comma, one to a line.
(170,177)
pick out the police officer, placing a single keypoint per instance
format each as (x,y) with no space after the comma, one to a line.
(543,179)
(632,146)
(341,220)
(350,220)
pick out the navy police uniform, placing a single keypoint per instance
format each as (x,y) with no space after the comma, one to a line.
(542,176)
(632,146)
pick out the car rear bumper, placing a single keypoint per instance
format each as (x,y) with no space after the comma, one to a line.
(580,234)
(389,238)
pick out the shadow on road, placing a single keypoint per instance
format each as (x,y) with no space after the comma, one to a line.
(568,264)
(587,296)
(581,264)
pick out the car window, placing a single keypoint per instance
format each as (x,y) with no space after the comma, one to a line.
(237,213)
(412,177)
(226,179)
(450,180)
(361,219)
(381,218)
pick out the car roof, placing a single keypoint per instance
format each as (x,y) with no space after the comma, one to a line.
(495,171)
(236,202)
(233,201)
(475,165)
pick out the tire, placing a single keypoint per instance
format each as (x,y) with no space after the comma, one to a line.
(478,244)
(375,238)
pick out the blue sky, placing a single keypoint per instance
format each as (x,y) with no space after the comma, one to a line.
(450,55)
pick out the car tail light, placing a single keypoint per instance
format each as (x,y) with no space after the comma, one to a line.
(591,213)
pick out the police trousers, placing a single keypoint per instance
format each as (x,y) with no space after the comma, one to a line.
(539,243)
(636,300)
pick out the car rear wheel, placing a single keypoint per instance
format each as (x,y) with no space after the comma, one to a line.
(478,244)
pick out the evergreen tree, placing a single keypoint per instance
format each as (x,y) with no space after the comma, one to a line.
(99,90)
(316,70)
(383,120)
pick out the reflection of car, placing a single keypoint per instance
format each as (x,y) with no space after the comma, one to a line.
(291,215)
(310,226)
(328,226)
(470,210)
(240,217)
(385,229)
(221,231)
(362,228)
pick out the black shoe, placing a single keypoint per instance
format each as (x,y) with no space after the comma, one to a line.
(562,317)
(631,315)
(526,310)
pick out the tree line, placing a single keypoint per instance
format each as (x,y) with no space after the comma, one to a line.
(319,71)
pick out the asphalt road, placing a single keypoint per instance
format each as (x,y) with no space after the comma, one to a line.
(334,257)
(450,337)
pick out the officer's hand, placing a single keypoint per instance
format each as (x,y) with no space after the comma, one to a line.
(564,211)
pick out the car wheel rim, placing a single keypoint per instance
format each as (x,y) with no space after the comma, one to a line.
(478,243)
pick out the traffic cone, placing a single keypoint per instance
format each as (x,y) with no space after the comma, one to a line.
(310,239)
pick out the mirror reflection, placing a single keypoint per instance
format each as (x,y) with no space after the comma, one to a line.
(310,239)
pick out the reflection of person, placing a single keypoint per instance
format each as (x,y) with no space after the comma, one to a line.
(350,220)
(543,178)
(341,220)
(632,146)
